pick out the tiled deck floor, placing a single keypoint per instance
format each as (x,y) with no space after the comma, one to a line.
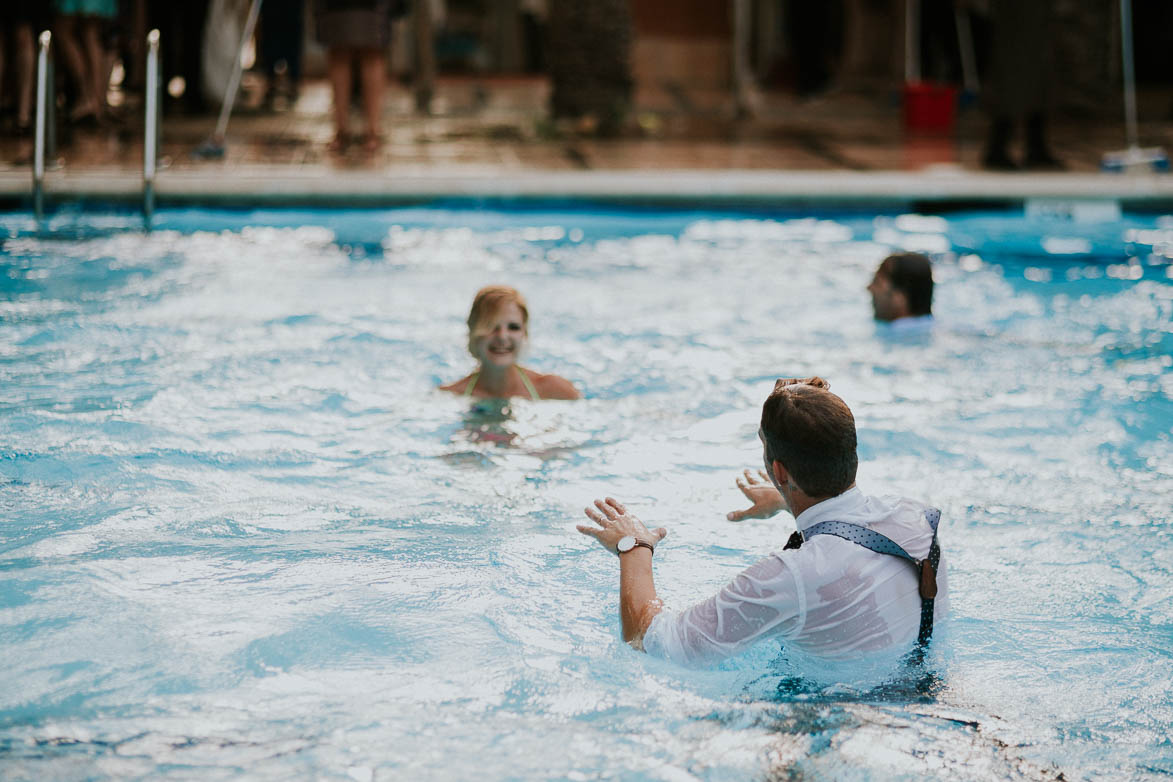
(498,129)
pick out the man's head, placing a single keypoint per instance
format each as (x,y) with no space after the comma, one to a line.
(902,287)
(811,432)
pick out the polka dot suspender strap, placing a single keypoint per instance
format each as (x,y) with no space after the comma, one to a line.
(882,544)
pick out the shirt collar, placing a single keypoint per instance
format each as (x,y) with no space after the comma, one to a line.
(848,502)
(912,323)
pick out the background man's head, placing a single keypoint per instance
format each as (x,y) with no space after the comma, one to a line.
(902,287)
(812,433)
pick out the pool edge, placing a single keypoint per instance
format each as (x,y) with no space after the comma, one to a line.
(261,186)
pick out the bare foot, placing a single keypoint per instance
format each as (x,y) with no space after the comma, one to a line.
(84,118)
(371,143)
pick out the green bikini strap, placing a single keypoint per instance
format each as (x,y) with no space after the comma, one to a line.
(471,384)
(529,385)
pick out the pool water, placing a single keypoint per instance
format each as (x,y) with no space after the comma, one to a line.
(243,534)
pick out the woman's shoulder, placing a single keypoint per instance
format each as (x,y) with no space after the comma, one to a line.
(552,386)
(458,386)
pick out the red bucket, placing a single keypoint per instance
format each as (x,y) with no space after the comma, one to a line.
(930,108)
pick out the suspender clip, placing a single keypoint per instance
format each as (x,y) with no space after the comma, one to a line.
(928,580)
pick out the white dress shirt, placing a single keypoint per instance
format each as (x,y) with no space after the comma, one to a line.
(915,324)
(832,598)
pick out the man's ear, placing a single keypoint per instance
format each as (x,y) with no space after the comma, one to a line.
(899,301)
(780,473)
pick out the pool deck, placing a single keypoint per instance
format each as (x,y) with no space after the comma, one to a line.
(490,140)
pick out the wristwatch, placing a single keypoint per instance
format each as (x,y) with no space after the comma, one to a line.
(629,542)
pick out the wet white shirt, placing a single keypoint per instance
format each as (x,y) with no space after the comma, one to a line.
(831,598)
(912,324)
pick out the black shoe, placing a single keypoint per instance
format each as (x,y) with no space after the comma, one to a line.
(1038,155)
(997,159)
(1042,160)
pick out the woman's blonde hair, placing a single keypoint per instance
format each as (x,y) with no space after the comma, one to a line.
(488,301)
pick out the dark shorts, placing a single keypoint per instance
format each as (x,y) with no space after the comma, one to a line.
(355,25)
(35,12)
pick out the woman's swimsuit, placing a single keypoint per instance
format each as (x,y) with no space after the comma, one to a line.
(529,386)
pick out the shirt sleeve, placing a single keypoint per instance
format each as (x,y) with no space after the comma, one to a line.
(764,600)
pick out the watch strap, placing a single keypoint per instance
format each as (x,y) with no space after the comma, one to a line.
(637,544)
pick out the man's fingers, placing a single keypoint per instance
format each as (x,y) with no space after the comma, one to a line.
(607,510)
(594,533)
(736,515)
(660,533)
(594,516)
(750,478)
(616,504)
(765,478)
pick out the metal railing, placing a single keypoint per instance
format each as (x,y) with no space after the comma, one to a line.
(44,139)
(151,126)
(45,136)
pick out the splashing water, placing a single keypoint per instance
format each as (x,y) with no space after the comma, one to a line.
(244,534)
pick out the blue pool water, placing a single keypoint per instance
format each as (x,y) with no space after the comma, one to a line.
(243,535)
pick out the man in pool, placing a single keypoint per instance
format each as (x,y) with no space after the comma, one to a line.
(862,575)
(902,290)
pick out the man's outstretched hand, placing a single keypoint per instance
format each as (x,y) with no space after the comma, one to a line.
(765,499)
(614,523)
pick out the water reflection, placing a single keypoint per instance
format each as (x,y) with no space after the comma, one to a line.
(489,421)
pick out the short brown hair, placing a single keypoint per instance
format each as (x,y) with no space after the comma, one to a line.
(812,433)
(912,275)
(485,305)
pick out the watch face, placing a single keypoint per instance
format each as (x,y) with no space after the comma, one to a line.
(625,544)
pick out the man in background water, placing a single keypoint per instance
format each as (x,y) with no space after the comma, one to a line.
(902,290)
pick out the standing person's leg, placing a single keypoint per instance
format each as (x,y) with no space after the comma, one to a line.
(373,68)
(191,17)
(97,63)
(1017,90)
(338,65)
(269,48)
(294,38)
(4,50)
(66,36)
(135,47)
(25,76)
(282,30)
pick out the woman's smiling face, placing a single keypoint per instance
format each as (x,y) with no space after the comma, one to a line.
(501,339)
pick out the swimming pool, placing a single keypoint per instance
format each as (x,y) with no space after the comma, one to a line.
(244,535)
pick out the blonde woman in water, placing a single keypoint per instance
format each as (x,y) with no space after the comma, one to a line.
(497,333)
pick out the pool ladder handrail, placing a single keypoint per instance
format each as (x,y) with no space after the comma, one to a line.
(45,136)
(151,126)
(44,130)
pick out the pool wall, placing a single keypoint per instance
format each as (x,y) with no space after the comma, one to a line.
(946,190)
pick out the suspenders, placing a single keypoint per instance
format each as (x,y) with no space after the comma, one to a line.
(882,544)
